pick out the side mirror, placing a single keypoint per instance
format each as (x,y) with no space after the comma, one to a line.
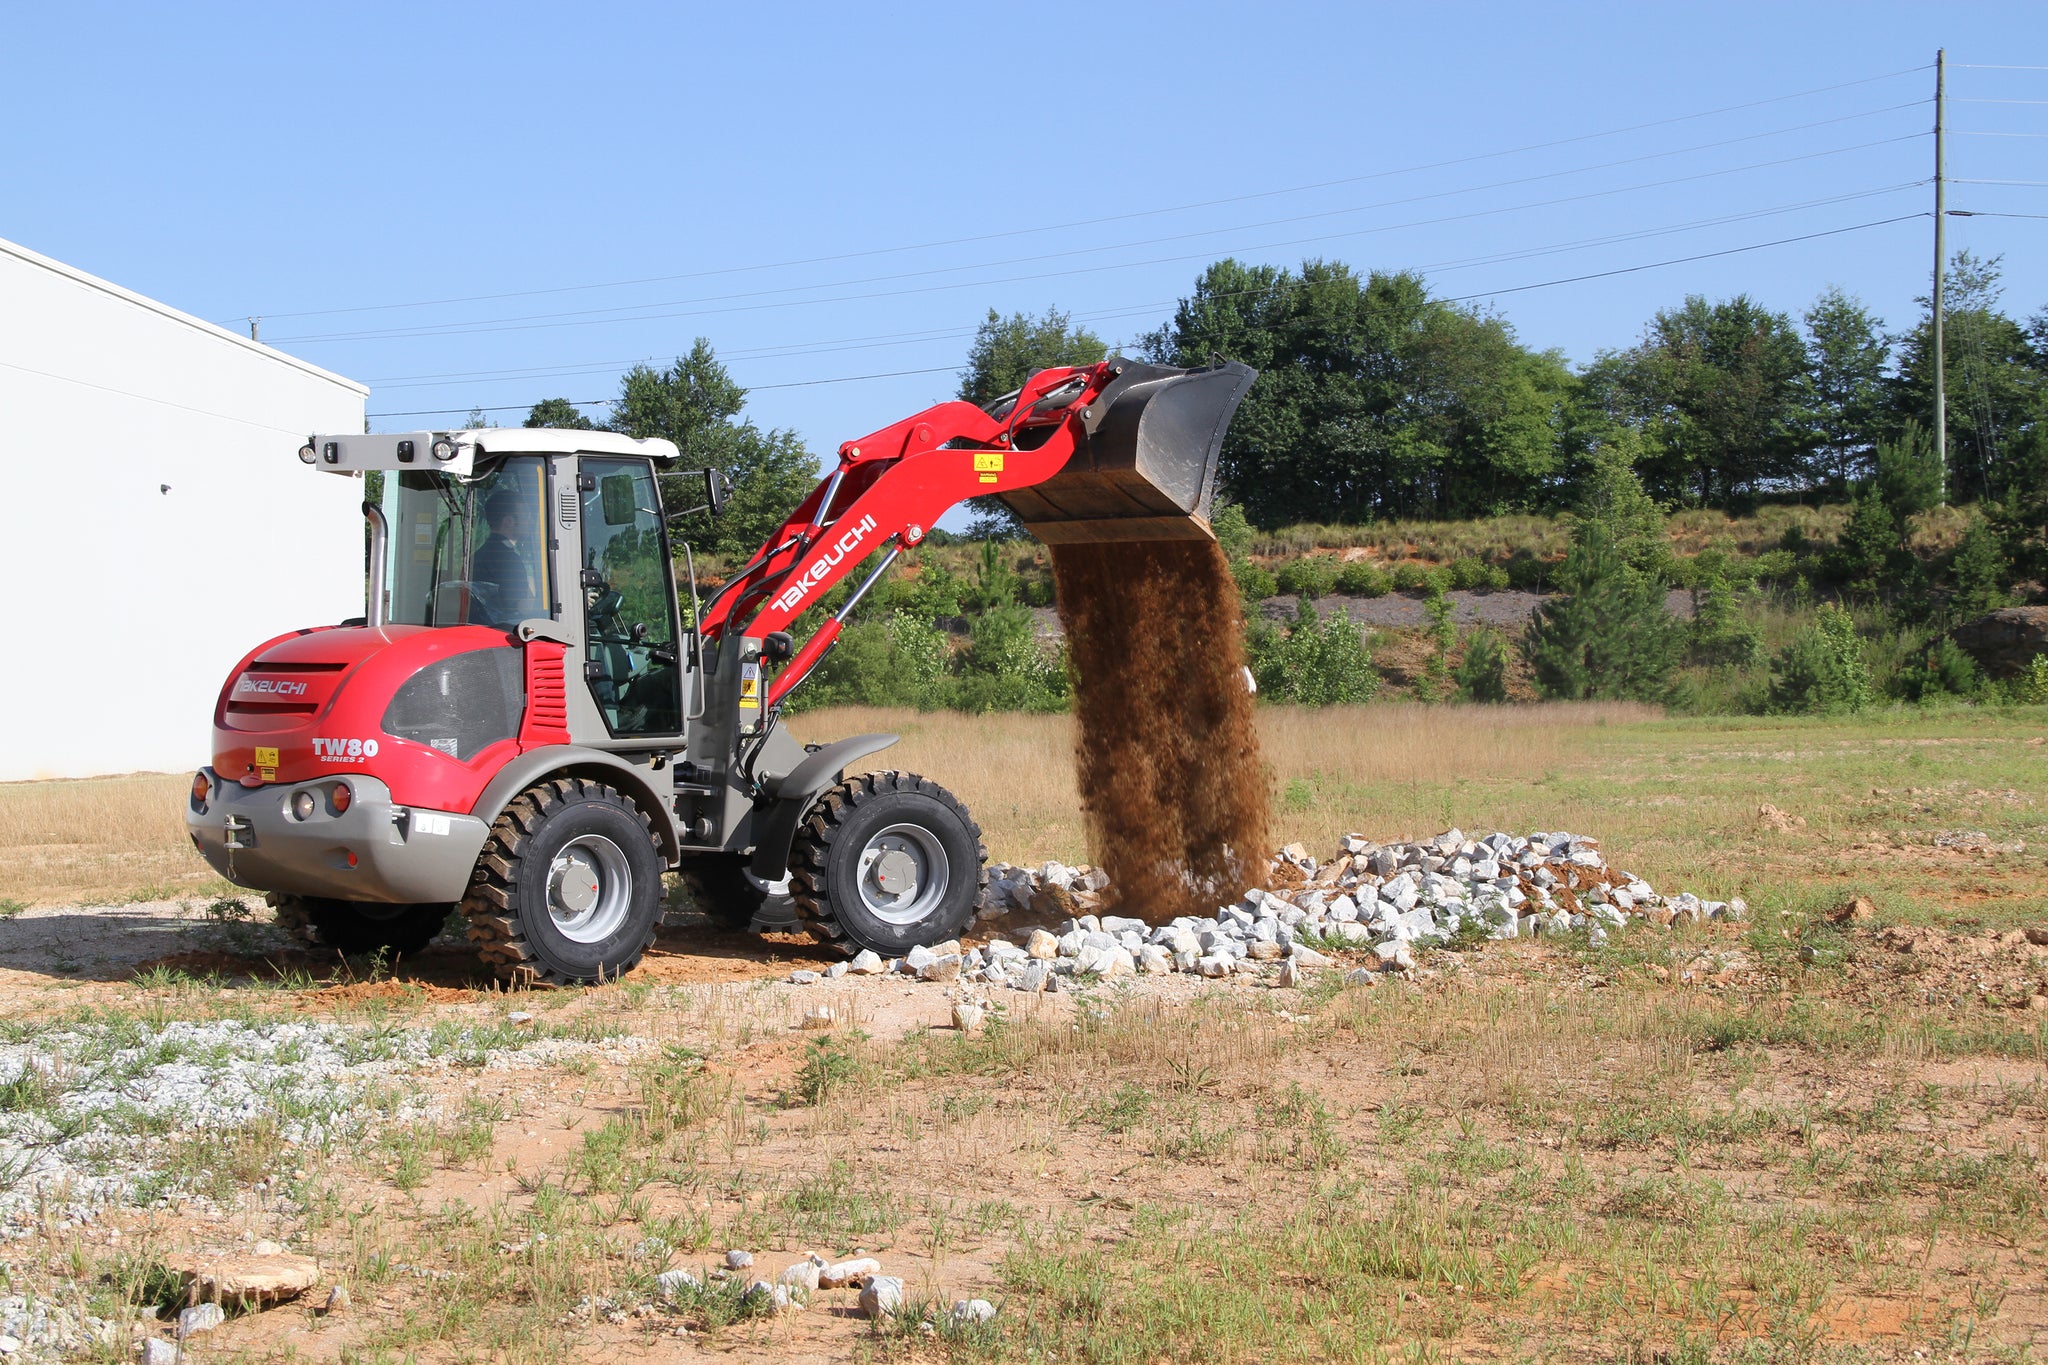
(615,492)
(715,491)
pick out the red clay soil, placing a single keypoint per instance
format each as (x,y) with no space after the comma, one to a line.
(1167,755)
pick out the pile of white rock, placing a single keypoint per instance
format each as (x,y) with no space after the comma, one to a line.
(1385,898)
(880,1295)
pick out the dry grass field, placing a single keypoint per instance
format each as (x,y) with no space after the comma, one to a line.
(1794,1139)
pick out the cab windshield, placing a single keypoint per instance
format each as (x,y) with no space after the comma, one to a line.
(469,553)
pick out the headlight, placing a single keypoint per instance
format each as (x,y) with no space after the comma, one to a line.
(308,454)
(444,450)
(302,805)
(341,796)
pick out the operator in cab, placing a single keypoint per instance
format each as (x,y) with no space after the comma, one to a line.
(505,564)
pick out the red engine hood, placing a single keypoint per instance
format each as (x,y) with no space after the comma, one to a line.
(312,703)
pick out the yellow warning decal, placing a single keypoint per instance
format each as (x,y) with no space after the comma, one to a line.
(265,758)
(750,687)
(988,462)
(988,478)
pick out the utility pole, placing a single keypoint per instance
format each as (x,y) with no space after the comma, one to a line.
(252,328)
(1940,251)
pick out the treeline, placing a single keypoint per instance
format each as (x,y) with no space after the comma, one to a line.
(1379,402)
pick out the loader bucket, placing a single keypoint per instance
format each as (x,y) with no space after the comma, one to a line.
(1147,468)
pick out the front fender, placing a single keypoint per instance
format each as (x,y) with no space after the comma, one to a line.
(570,760)
(793,793)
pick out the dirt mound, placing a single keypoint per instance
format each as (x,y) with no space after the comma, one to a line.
(1167,756)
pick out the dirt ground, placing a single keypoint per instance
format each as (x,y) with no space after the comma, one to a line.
(1814,1136)
(1833,1148)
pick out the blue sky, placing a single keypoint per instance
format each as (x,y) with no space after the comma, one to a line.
(832,191)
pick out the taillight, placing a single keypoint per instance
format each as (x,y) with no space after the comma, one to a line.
(201,789)
(341,796)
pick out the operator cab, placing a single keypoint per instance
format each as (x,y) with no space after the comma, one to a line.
(559,534)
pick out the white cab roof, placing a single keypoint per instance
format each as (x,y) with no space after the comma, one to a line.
(352,454)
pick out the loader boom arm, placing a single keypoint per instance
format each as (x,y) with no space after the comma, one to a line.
(888,489)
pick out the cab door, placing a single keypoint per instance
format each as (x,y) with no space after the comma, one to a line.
(630,629)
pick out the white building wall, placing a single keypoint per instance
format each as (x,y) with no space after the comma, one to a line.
(157,521)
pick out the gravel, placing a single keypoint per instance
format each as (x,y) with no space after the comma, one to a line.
(1389,899)
(94,1114)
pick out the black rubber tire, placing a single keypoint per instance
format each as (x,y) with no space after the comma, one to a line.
(507,905)
(359,928)
(824,866)
(720,887)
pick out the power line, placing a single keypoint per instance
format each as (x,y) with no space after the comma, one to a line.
(1464,298)
(1953,180)
(1985,66)
(1987,213)
(1972,132)
(579,318)
(927,337)
(148,398)
(1968,99)
(1120,217)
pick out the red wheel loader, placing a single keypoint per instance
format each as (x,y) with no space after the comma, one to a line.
(527,725)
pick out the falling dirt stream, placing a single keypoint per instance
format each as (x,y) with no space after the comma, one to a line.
(1168,755)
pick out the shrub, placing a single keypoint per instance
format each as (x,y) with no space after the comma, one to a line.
(1615,500)
(1483,672)
(1315,663)
(1412,575)
(935,592)
(1007,667)
(1822,672)
(1471,572)
(2030,688)
(1942,669)
(1254,582)
(900,660)
(1363,579)
(1607,634)
(1775,566)
(1527,572)
(1308,576)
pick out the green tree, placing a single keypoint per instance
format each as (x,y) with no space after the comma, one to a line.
(1719,390)
(1997,380)
(1979,573)
(1607,633)
(1373,400)
(1847,352)
(1611,494)
(1870,542)
(1907,473)
(696,404)
(2020,520)
(1721,635)
(1435,682)
(558,413)
(1009,350)
(1006,352)
(1483,672)
(1822,671)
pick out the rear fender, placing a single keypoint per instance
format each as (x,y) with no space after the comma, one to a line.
(793,793)
(569,760)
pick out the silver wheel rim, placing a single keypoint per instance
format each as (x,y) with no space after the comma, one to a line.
(590,889)
(902,874)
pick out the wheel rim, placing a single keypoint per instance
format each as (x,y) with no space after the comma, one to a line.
(903,874)
(590,889)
